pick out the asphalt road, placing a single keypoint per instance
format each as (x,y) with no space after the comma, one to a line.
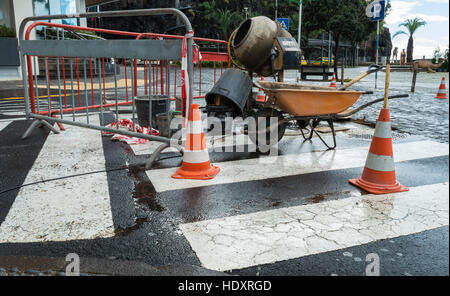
(109,209)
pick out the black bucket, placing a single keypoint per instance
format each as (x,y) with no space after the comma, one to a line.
(234,88)
(160,104)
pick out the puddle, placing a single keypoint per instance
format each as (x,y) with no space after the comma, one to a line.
(135,171)
(318,198)
(322,196)
(144,194)
(276,204)
(128,230)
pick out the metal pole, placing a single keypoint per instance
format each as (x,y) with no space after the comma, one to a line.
(300,33)
(321,46)
(376,54)
(386,87)
(330,58)
(413,84)
(276,9)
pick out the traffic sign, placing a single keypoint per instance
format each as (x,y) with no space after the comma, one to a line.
(376,10)
(284,23)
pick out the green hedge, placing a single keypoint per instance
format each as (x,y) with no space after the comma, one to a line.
(7,31)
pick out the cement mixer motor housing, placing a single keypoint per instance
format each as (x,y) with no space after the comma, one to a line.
(285,54)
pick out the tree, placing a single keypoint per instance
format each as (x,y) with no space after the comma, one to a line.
(345,19)
(437,54)
(411,25)
(440,55)
(227,21)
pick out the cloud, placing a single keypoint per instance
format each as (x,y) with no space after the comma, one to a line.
(402,10)
(437,1)
(431,18)
(422,46)
(427,39)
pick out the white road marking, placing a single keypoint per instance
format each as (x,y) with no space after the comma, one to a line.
(67,209)
(214,143)
(271,236)
(5,123)
(296,164)
(235,143)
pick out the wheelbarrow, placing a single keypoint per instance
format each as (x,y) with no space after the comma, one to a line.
(306,106)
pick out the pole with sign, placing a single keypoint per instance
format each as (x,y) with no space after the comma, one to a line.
(376,11)
(284,22)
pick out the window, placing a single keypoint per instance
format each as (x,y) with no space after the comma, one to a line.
(47,7)
(4,13)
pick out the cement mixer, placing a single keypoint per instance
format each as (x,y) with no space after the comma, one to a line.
(263,47)
(259,46)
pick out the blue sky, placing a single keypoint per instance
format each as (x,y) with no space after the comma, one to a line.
(428,38)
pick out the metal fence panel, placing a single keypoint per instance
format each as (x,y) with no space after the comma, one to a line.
(142,49)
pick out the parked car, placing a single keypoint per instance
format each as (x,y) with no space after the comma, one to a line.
(304,62)
(322,61)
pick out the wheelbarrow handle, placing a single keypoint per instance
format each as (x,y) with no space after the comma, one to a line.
(372,69)
(255,83)
(369,104)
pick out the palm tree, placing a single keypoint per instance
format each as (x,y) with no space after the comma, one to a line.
(227,20)
(411,25)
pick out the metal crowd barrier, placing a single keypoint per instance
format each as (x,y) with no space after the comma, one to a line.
(81,86)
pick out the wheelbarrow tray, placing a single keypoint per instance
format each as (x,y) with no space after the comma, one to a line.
(308,100)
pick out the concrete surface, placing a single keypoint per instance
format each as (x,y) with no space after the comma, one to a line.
(295,214)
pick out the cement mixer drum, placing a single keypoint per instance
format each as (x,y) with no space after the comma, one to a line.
(253,42)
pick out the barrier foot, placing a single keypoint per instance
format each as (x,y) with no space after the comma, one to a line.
(34,124)
(60,125)
(41,123)
(49,126)
(155,155)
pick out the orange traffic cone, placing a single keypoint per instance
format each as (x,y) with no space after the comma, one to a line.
(261,96)
(333,81)
(378,176)
(196,164)
(442,93)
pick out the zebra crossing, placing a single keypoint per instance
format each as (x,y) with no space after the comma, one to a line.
(80,208)
(289,165)
(63,209)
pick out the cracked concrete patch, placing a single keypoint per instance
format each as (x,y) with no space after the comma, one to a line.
(243,241)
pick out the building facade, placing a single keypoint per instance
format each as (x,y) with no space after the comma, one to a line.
(12,12)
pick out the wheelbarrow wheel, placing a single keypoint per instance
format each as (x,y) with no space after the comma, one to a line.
(263,136)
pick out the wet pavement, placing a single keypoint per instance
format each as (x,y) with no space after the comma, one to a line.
(290,214)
